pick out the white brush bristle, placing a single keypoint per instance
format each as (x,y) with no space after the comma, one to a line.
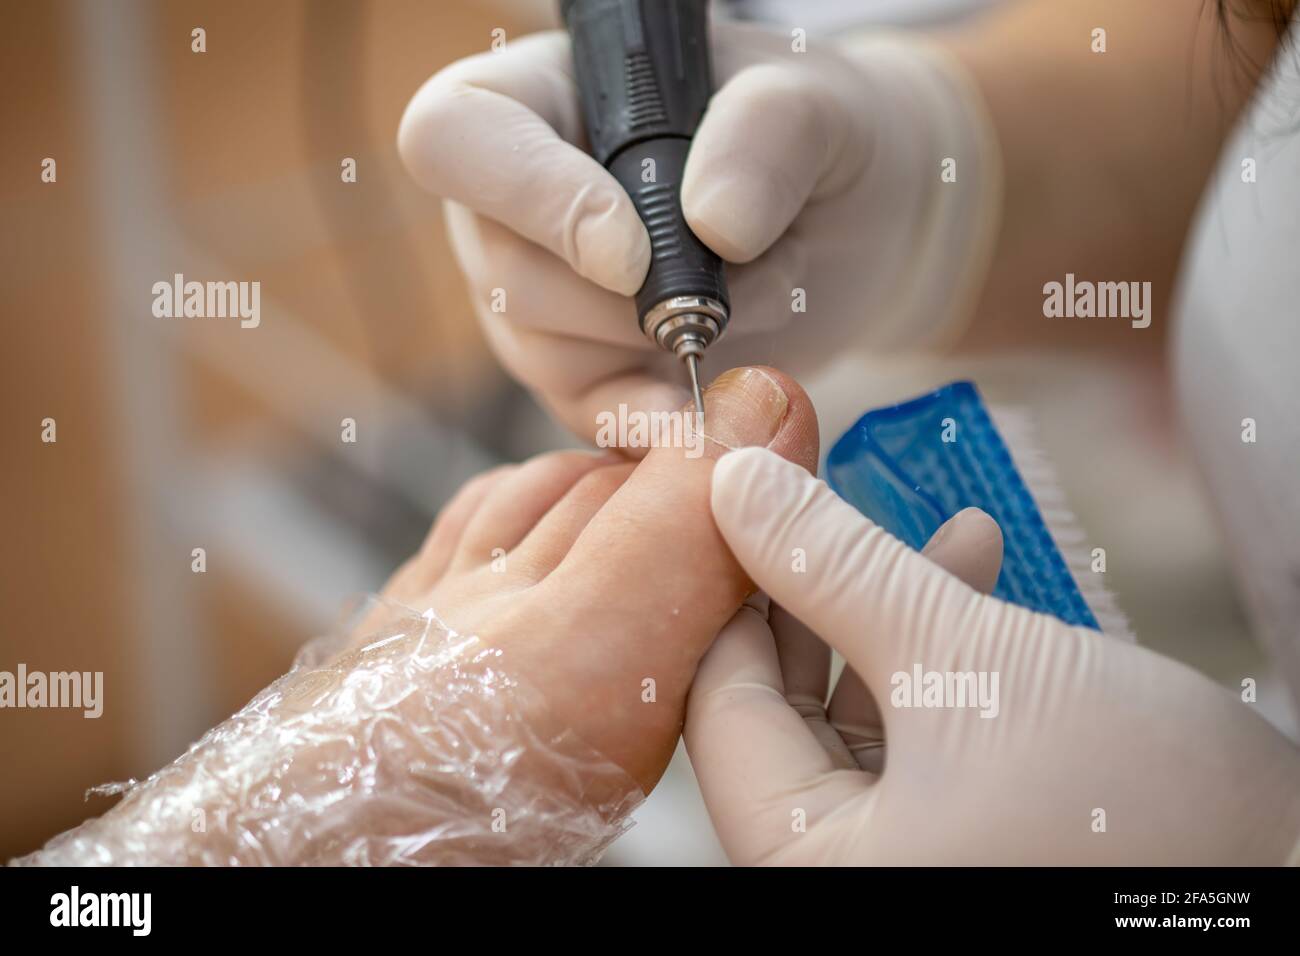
(1016,426)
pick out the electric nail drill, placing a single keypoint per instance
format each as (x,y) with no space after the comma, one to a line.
(645,78)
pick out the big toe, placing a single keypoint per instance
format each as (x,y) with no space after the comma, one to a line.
(650,581)
(654,546)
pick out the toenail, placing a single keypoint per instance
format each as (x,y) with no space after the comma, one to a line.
(745,406)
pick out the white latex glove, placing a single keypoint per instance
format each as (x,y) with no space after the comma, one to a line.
(816,171)
(1183,770)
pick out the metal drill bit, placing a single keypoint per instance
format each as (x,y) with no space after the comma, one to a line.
(693,366)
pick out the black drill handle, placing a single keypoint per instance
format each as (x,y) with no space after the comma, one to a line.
(645,78)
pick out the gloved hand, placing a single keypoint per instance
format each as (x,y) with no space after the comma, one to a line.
(818,174)
(1095,751)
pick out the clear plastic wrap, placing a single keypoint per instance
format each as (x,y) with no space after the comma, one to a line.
(398,741)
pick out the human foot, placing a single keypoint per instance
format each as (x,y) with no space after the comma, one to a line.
(603,583)
(591,586)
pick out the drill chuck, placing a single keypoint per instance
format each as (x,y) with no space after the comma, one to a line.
(685,324)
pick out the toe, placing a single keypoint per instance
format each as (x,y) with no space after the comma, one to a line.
(654,544)
(650,581)
(419,574)
(547,544)
(517,503)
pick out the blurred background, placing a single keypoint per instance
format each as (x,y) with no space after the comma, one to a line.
(183,434)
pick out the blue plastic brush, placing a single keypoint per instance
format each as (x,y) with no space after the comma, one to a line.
(911,467)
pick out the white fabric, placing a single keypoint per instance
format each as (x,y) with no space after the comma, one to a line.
(1237,356)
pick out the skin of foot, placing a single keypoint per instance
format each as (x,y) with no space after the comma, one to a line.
(593,575)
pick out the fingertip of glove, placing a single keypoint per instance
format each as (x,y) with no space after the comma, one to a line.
(982,525)
(728,218)
(613,247)
(741,460)
(409,130)
(739,471)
